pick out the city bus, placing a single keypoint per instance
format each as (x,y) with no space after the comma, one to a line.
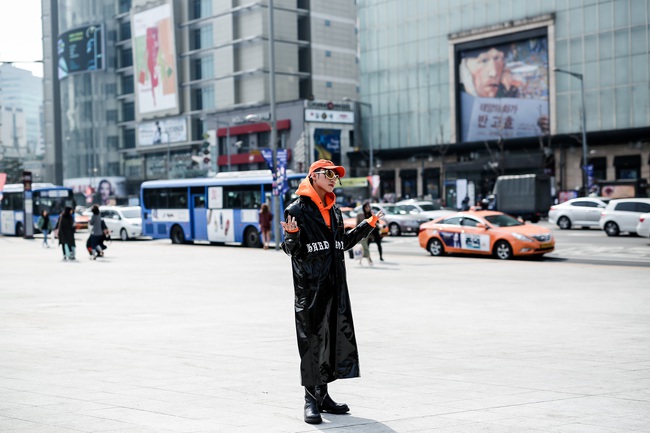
(220,209)
(45,196)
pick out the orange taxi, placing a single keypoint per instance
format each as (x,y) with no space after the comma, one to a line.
(485,232)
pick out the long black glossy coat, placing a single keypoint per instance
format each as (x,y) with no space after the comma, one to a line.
(324,326)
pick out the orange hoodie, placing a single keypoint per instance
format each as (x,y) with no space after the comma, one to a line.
(307,189)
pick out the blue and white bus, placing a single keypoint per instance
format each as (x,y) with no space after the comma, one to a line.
(45,196)
(220,209)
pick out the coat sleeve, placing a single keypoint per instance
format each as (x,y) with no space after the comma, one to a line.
(292,244)
(354,236)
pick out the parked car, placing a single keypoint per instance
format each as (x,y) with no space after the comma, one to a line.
(622,215)
(399,220)
(350,222)
(124,222)
(81,218)
(643,226)
(426,208)
(485,232)
(577,212)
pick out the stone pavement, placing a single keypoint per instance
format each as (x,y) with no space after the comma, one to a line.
(159,338)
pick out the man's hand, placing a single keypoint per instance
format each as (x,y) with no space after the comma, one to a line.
(290,225)
(380,214)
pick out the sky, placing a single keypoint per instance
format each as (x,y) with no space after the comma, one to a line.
(21,33)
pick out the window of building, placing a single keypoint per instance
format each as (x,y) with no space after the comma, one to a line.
(125,30)
(124,6)
(127,84)
(628,166)
(328,84)
(126,58)
(328,23)
(111,116)
(112,141)
(128,138)
(128,111)
(328,53)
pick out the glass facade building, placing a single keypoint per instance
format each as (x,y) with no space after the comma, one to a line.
(412,54)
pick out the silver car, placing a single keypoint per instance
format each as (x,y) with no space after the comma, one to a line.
(577,212)
(124,222)
(426,208)
(622,215)
(398,218)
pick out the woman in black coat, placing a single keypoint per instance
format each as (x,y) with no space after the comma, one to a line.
(316,240)
(65,226)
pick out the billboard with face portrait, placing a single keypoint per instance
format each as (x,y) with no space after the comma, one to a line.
(503,86)
(154,61)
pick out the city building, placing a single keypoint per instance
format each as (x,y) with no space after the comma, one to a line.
(21,113)
(155,78)
(464,91)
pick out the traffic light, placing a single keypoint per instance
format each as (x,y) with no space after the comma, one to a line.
(205,149)
(208,145)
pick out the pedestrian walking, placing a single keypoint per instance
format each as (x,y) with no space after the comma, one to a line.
(315,239)
(366,212)
(265,219)
(97,232)
(44,224)
(65,232)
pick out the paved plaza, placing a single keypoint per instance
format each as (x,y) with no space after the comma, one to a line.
(158,338)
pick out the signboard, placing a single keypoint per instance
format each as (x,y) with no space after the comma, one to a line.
(329,116)
(154,61)
(503,86)
(80,50)
(171,130)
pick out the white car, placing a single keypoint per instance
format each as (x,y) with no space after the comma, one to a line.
(622,215)
(124,222)
(643,226)
(577,212)
(425,208)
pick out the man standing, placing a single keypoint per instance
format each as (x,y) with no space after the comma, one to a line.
(316,240)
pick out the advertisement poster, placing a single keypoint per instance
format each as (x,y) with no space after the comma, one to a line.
(504,87)
(475,242)
(220,225)
(80,50)
(98,190)
(154,60)
(327,144)
(172,130)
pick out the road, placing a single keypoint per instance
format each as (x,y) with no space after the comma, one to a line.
(577,246)
(159,338)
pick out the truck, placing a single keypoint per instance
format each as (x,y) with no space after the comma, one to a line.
(525,196)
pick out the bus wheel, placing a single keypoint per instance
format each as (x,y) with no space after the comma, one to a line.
(177,236)
(20,232)
(252,238)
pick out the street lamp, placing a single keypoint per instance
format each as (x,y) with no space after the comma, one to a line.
(585,182)
(370,145)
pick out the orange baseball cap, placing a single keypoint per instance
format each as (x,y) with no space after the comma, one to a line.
(327,165)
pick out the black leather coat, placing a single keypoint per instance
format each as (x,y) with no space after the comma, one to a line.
(324,326)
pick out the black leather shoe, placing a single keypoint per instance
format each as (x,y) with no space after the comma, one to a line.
(312,415)
(328,405)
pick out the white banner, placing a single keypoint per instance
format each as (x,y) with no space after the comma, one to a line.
(493,118)
(173,130)
(329,116)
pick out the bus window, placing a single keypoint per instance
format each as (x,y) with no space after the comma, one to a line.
(242,197)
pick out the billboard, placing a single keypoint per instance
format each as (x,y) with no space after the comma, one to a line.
(80,50)
(503,86)
(170,130)
(154,61)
